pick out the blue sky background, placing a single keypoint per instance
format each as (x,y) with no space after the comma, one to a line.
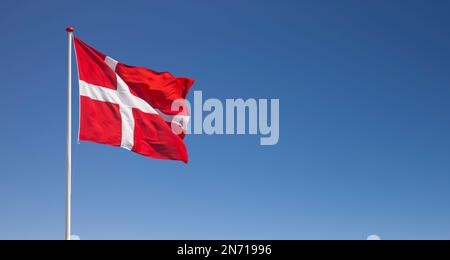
(364,89)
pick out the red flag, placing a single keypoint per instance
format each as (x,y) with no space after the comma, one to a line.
(130,107)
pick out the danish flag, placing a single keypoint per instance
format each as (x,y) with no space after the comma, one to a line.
(131,107)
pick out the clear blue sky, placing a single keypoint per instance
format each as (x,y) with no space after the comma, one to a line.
(364,89)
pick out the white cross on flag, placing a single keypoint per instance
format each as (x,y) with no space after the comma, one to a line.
(131,107)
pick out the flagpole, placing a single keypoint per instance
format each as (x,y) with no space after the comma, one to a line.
(69,136)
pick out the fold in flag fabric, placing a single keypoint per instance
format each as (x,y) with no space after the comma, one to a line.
(131,107)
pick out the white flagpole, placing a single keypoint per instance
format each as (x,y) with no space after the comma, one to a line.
(69,137)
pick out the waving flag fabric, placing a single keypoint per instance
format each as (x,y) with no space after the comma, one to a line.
(131,107)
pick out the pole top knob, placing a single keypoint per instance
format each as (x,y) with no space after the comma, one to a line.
(70,29)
